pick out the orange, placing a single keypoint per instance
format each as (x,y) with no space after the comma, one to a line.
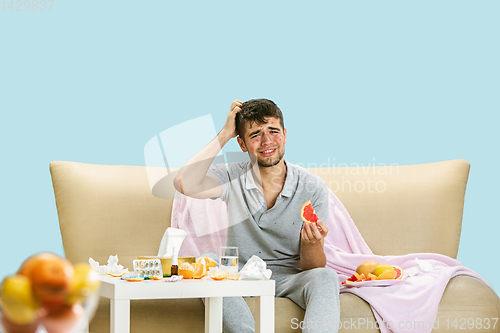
(200,271)
(50,277)
(186,270)
(307,213)
(117,275)
(209,262)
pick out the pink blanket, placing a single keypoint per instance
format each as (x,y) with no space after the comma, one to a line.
(413,302)
(410,306)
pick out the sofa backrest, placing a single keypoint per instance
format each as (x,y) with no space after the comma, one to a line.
(105,210)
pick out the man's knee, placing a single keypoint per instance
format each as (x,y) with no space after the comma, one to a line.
(324,278)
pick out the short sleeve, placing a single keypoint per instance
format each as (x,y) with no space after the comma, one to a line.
(320,201)
(220,172)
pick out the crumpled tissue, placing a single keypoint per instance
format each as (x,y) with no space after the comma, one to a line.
(255,269)
(111,268)
(424,267)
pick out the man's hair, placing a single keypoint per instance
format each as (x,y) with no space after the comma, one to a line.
(256,111)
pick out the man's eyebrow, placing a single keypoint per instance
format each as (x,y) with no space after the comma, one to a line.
(270,127)
(254,132)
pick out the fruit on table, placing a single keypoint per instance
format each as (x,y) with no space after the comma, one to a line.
(50,276)
(186,270)
(84,283)
(367,267)
(219,275)
(307,213)
(18,302)
(200,271)
(209,262)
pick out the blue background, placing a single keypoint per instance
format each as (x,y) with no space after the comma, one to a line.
(360,82)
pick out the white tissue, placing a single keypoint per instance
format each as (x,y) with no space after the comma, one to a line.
(255,269)
(111,268)
(172,238)
(424,267)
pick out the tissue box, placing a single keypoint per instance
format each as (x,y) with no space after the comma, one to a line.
(166,262)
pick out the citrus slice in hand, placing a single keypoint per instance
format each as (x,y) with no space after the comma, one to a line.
(307,213)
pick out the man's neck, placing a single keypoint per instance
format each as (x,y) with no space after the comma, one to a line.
(270,178)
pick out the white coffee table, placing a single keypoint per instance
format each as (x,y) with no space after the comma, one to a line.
(120,293)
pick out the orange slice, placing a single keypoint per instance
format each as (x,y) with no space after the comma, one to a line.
(218,275)
(233,276)
(117,275)
(186,270)
(200,271)
(209,262)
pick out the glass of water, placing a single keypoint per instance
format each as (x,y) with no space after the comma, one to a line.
(228,259)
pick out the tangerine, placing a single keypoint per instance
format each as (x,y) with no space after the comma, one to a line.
(307,213)
(186,270)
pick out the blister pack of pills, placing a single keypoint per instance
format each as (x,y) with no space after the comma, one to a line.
(148,268)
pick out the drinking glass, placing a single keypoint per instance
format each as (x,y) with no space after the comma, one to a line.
(228,259)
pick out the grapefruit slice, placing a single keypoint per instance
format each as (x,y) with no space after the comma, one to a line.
(307,213)
(399,272)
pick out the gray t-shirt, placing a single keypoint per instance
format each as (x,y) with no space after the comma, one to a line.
(272,234)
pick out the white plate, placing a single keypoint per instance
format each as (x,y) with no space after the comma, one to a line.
(378,283)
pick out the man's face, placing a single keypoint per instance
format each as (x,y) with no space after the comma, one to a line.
(264,142)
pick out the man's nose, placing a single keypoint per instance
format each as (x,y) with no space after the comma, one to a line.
(265,138)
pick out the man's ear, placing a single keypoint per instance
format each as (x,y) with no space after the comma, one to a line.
(284,132)
(242,144)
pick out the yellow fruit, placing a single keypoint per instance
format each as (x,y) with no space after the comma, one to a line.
(372,276)
(382,268)
(186,270)
(84,283)
(366,267)
(17,300)
(387,275)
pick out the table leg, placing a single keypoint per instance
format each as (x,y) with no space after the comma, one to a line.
(264,314)
(213,314)
(120,316)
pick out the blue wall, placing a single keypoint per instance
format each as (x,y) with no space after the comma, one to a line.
(388,81)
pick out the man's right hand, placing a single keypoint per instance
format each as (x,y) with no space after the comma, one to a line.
(229,128)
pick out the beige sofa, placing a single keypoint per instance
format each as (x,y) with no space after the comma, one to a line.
(106,210)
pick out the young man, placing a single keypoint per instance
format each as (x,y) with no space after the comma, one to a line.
(264,197)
